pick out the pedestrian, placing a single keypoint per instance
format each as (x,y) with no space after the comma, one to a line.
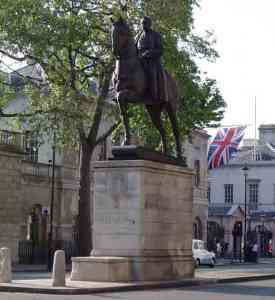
(218,249)
(269,248)
(255,252)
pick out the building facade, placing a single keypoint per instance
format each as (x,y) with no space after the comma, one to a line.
(196,155)
(33,202)
(247,182)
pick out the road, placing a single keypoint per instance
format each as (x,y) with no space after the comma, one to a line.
(254,290)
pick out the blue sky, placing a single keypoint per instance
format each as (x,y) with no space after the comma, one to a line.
(245,33)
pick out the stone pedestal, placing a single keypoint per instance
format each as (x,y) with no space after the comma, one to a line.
(142,223)
(59,267)
(11,199)
(5,265)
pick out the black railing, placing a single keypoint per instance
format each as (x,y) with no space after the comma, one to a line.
(31,253)
(39,169)
(14,139)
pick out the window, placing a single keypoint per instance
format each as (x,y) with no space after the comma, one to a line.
(209,193)
(228,193)
(253,190)
(31,151)
(258,156)
(197,229)
(103,150)
(197,172)
(195,245)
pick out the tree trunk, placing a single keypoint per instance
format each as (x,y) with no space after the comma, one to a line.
(88,145)
(85,232)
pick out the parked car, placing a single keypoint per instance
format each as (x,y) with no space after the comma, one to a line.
(201,255)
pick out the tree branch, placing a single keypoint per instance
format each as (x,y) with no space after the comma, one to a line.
(82,134)
(107,133)
(31,114)
(72,66)
(94,58)
(20,59)
(100,103)
(13,115)
(89,66)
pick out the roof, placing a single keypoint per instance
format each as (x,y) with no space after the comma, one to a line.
(263,214)
(222,210)
(265,153)
(201,132)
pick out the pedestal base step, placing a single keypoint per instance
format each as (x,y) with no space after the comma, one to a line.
(129,269)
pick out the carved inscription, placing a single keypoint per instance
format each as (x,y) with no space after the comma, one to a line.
(115,220)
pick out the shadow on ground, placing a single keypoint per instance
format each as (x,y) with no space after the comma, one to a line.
(263,289)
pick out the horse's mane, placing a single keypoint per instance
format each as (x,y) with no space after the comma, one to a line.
(123,25)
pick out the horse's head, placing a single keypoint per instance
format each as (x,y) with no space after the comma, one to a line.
(121,35)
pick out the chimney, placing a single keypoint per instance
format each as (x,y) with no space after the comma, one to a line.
(267,134)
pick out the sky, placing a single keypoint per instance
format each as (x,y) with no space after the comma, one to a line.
(245,71)
(245,34)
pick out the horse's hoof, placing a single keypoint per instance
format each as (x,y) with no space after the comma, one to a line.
(126,142)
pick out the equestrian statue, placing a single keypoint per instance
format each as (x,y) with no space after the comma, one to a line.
(139,77)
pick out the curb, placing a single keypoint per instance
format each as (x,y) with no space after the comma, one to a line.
(132,287)
(86,291)
(246,278)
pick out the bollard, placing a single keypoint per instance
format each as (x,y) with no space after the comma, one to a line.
(5,265)
(58,274)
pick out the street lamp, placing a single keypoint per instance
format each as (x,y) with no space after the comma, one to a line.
(262,232)
(245,173)
(50,241)
(123,5)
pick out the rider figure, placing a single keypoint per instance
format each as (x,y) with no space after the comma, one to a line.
(150,50)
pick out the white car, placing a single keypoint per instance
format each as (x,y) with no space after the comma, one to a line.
(201,255)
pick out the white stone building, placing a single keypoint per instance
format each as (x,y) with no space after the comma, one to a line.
(26,189)
(227,185)
(196,154)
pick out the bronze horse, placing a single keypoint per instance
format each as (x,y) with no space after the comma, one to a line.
(131,86)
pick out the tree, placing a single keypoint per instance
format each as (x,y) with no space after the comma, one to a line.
(6,94)
(70,41)
(202,105)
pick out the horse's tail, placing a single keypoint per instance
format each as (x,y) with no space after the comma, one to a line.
(172,91)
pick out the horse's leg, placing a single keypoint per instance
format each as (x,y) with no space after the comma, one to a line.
(175,128)
(123,110)
(155,114)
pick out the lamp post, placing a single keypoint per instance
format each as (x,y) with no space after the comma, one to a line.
(245,172)
(262,216)
(50,241)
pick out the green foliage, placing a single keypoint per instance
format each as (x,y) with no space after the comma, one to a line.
(202,105)
(6,92)
(71,41)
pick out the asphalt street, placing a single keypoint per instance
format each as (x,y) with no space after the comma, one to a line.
(253,290)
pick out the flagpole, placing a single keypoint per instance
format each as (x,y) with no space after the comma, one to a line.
(230,125)
(255,127)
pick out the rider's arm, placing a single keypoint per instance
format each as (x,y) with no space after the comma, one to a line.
(158,46)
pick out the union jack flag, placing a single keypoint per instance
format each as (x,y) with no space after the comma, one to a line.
(224,146)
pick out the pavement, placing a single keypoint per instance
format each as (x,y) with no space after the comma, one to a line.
(35,279)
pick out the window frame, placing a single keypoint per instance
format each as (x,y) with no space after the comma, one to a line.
(253,195)
(197,168)
(228,193)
